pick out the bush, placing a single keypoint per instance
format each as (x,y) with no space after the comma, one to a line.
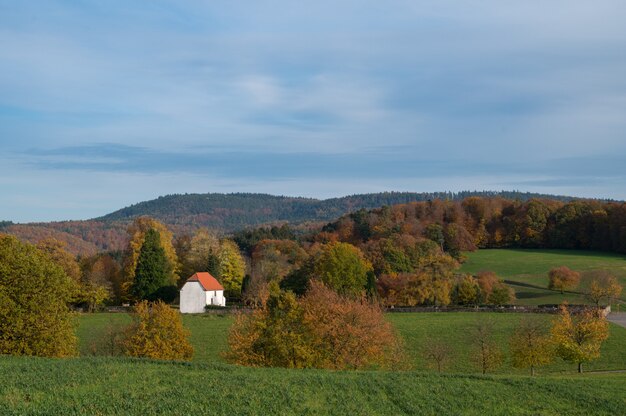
(157,332)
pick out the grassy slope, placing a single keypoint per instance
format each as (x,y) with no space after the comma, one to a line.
(527,270)
(135,387)
(209,337)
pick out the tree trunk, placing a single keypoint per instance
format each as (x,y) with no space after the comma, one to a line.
(580,368)
(532,370)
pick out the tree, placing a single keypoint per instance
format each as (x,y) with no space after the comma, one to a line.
(342,267)
(273,336)
(604,287)
(153,269)
(562,278)
(232,268)
(34,296)
(493,290)
(437,353)
(323,330)
(531,345)
(467,291)
(137,232)
(157,332)
(347,333)
(487,355)
(578,338)
(204,252)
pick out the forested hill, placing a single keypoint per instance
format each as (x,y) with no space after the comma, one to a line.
(224,212)
(238,210)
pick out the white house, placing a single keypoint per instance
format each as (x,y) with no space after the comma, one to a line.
(201,290)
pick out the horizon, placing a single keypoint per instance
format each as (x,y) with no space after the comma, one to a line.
(548,196)
(106,105)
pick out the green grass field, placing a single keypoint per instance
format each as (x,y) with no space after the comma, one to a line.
(115,386)
(527,271)
(209,332)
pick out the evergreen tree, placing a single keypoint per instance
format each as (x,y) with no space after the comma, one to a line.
(153,270)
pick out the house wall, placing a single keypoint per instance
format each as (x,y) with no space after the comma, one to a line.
(192,298)
(215,297)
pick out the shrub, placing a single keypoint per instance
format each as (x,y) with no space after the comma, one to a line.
(157,332)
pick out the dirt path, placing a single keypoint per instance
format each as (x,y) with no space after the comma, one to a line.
(618,318)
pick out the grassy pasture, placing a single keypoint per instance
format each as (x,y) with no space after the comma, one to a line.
(527,271)
(107,386)
(209,332)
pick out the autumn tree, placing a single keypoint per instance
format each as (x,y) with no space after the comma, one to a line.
(486,354)
(467,291)
(156,332)
(603,287)
(578,338)
(232,268)
(342,267)
(34,296)
(273,336)
(323,329)
(137,232)
(563,278)
(151,280)
(531,345)
(493,290)
(204,253)
(437,353)
(348,333)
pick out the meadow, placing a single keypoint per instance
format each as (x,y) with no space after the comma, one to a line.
(526,271)
(209,333)
(108,386)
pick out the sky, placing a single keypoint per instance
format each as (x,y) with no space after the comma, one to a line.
(108,103)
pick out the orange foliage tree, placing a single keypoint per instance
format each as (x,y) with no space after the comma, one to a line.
(562,278)
(321,330)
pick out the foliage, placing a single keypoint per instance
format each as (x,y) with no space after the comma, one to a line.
(562,278)
(322,330)
(34,293)
(157,332)
(274,336)
(604,287)
(137,232)
(579,338)
(343,268)
(530,345)
(232,268)
(153,269)
(467,291)
(493,290)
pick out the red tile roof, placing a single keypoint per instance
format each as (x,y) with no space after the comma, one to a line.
(207,281)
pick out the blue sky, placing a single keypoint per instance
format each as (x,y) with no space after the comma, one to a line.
(108,103)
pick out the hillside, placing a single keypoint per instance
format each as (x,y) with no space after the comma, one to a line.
(226,213)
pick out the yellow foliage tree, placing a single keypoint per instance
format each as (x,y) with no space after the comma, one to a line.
(34,294)
(531,346)
(578,338)
(232,267)
(157,332)
(137,233)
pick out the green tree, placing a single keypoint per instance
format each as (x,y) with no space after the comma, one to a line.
(342,267)
(153,269)
(467,291)
(34,294)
